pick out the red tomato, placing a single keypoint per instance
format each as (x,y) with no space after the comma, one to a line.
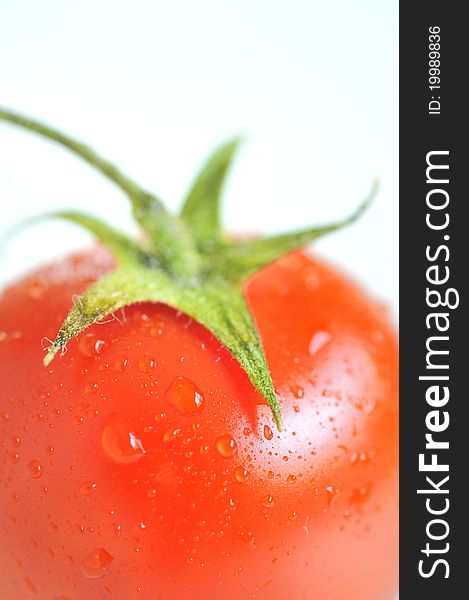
(143,464)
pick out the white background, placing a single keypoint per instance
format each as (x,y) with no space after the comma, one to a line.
(155,85)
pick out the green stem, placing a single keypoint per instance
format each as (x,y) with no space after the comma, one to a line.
(109,170)
(168,235)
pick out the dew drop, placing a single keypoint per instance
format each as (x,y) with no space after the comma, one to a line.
(184,395)
(297,391)
(318,341)
(49,450)
(115,529)
(87,488)
(292,515)
(171,434)
(90,388)
(14,497)
(291,478)
(241,474)
(90,345)
(267,501)
(359,495)
(36,290)
(226,445)
(247,537)
(95,564)
(121,364)
(146,364)
(332,494)
(30,585)
(15,440)
(119,442)
(35,469)
(268,432)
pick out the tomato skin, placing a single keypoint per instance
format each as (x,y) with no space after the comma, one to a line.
(214,503)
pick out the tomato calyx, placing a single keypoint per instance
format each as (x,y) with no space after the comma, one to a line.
(184,260)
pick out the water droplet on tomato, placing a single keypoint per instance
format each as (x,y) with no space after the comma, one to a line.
(90,345)
(359,495)
(115,529)
(49,450)
(291,478)
(247,537)
(14,497)
(146,364)
(121,364)
(96,563)
(30,585)
(15,457)
(87,488)
(297,391)
(119,442)
(292,515)
(268,432)
(15,440)
(35,468)
(226,445)
(170,435)
(267,501)
(90,388)
(332,494)
(241,474)
(184,395)
(36,290)
(318,341)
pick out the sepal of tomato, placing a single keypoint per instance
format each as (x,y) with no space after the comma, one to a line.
(185,261)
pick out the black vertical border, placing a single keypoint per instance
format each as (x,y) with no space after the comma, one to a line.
(420,133)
